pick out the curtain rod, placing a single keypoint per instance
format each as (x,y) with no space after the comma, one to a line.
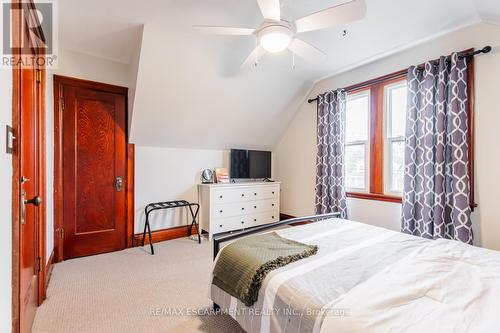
(468,54)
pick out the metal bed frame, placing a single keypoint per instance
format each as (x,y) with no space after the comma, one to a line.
(166,205)
(217,240)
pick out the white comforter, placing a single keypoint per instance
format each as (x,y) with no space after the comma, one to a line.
(368,279)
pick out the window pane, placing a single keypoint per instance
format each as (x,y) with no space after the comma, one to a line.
(357,117)
(355,166)
(397,108)
(397,165)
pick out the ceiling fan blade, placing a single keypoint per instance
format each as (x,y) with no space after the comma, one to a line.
(349,11)
(307,51)
(207,29)
(270,9)
(254,57)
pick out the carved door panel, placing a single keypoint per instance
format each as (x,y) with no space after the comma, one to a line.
(94,171)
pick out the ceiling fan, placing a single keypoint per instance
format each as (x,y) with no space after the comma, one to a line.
(276,34)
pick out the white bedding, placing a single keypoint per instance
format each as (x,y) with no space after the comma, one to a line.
(368,279)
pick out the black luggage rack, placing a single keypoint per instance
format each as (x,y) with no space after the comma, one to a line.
(166,205)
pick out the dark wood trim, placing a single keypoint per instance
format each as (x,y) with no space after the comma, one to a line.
(58,171)
(42,191)
(16,190)
(284,217)
(165,234)
(130,194)
(374,196)
(99,86)
(48,270)
(392,77)
(58,83)
(377,138)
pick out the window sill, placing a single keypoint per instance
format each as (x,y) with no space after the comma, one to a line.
(372,196)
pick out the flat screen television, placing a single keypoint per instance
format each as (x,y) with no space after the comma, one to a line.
(253,164)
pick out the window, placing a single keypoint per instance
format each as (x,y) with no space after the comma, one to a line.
(375,130)
(357,141)
(395,112)
(375,137)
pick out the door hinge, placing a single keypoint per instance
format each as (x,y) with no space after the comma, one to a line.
(39,264)
(62,233)
(62,104)
(38,75)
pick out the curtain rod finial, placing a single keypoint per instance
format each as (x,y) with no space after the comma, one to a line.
(486,49)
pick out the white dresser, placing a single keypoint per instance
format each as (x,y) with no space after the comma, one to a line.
(236,206)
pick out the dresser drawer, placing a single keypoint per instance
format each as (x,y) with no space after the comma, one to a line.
(260,206)
(223,196)
(263,218)
(231,209)
(265,192)
(229,224)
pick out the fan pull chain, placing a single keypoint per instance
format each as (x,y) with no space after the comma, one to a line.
(293,60)
(256,60)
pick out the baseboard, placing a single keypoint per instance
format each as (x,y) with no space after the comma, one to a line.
(48,269)
(164,235)
(284,216)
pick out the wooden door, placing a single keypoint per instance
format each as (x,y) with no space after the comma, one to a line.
(28,182)
(30,199)
(94,171)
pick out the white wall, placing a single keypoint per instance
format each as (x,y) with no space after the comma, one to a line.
(295,153)
(164,174)
(85,67)
(5,203)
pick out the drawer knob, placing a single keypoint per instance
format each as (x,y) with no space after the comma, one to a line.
(242,208)
(220,196)
(242,194)
(242,222)
(220,225)
(273,217)
(254,206)
(255,194)
(273,192)
(273,205)
(220,211)
(255,220)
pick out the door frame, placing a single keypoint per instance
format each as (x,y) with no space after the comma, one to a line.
(58,83)
(16,177)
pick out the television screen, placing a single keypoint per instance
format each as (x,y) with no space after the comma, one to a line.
(239,163)
(250,164)
(260,164)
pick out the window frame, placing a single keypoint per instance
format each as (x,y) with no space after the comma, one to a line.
(377,127)
(366,144)
(389,140)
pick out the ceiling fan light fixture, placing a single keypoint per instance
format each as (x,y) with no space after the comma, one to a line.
(275,39)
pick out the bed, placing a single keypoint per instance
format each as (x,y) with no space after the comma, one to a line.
(369,279)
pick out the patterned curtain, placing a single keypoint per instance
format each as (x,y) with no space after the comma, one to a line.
(436,181)
(330,191)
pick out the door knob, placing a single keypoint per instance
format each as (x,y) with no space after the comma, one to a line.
(36,201)
(119,183)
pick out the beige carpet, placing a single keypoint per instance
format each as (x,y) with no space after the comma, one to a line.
(133,291)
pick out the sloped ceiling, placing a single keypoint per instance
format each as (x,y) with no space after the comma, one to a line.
(189,88)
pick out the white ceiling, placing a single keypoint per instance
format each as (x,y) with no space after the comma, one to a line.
(190,90)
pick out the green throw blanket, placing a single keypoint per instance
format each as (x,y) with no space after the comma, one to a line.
(243,265)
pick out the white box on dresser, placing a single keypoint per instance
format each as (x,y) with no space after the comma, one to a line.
(236,206)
